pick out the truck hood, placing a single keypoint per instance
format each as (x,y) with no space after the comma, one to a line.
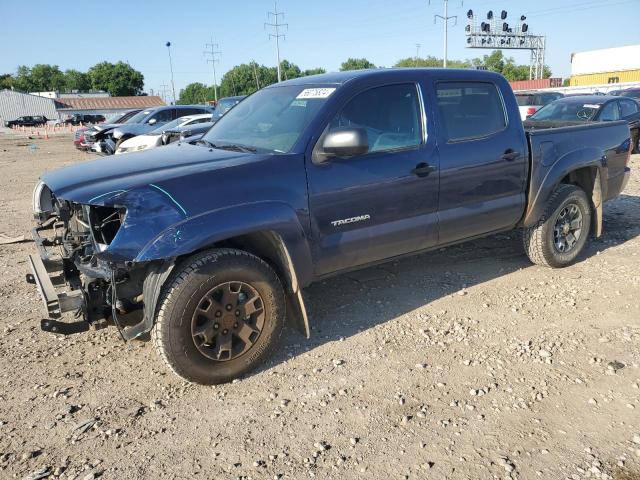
(88,182)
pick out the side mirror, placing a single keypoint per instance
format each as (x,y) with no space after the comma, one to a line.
(185,134)
(344,142)
(153,121)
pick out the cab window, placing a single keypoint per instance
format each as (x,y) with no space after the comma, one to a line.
(389,114)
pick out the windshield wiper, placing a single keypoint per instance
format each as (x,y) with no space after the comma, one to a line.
(205,142)
(228,146)
(236,148)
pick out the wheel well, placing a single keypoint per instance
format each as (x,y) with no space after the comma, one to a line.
(268,246)
(588,179)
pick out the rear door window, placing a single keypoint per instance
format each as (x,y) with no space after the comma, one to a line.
(469,110)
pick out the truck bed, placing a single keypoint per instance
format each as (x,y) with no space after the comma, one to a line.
(555,151)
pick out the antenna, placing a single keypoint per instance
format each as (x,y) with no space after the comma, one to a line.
(276,25)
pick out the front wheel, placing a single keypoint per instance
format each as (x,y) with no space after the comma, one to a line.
(561,234)
(220,315)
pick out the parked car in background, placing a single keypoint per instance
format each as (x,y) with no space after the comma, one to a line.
(85,137)
(530,102)
(224,105)
(188,133)
(84,119)
(587,109)
(633,93)
(207,246)
(148,120)
(159,136)
(27,121)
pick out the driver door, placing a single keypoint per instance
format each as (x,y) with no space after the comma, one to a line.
(383,203)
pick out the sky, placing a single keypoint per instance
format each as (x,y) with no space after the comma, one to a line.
(320,33)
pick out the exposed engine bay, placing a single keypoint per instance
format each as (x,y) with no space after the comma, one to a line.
(70,238)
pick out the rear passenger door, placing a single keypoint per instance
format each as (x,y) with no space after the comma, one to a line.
(483,160)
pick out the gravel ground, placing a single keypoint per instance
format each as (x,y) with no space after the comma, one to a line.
(466,362)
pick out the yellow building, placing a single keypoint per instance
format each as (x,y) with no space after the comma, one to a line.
(610,65)
(608,77)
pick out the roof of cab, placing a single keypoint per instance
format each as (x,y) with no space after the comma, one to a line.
(344,77)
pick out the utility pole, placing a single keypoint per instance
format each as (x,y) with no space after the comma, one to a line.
(276,25)
(445,20)
(255,73)
(164,88)
(418,45)
(173,85)
(212,54)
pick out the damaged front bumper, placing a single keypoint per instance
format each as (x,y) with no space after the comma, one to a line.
(98,295)
(47,273)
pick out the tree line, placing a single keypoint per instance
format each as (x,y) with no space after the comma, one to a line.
(245,79)
(119,79)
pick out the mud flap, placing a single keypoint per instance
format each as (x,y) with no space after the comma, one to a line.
(156,277)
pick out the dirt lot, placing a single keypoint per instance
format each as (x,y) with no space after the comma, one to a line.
(463,363)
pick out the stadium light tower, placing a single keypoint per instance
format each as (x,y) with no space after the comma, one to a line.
(173,85)
(496,32)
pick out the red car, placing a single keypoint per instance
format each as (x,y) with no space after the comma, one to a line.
(79,140)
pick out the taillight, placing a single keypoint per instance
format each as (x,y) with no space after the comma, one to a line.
(531,111)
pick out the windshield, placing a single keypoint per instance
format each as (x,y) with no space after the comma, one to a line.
(567,111)
(271,119)
(138,117)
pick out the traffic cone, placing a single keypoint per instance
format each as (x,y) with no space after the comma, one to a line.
(46,134)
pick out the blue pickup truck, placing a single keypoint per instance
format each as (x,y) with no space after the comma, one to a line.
(206,248)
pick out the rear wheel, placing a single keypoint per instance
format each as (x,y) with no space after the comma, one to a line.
(562,232)
(219,317)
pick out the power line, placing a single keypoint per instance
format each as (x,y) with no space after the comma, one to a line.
(445,20)
(277,35)
(212,53)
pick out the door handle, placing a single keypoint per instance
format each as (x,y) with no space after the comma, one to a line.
(423,169)
(510,155)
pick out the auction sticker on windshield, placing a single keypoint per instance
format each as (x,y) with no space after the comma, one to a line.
(316,92)
(588,105)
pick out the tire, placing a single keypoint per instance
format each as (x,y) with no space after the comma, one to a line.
(225,348)
(543,244)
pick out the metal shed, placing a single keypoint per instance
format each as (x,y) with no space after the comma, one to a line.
(15,104)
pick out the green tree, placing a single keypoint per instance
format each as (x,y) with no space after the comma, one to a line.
(246,78)
(356,64)
(196,93)
(118,79)
(313,71)
(39,78)
(6,81)
(431,62)
(76,80)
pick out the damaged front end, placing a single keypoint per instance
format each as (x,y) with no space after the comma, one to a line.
(76,270)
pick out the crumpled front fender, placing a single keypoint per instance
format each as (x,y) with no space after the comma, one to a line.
(204,230)
(149,211)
